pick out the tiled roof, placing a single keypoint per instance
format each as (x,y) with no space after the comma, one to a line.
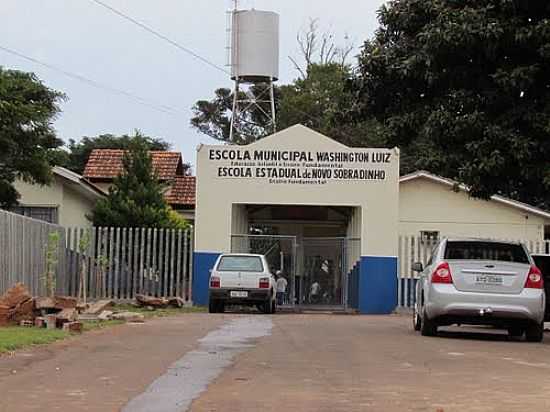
(107,164)
(182,191)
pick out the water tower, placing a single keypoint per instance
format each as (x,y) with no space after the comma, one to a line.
(254,53)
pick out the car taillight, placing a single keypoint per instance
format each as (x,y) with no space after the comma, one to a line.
(534,278)
(442,274)
(215,282)
(264,283)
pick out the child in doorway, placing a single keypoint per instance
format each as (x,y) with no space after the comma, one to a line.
(281,288)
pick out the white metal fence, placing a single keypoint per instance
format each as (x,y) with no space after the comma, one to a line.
(113,263)
(122,262)
(414,249)
(23,252)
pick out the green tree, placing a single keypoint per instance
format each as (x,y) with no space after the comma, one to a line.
(463,87)
(136,197)
(318,98)
(27,137)
(75,155)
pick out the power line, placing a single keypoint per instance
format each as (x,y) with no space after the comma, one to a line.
(160,35)
(161,108)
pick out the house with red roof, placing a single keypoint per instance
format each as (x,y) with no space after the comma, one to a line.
(104,165)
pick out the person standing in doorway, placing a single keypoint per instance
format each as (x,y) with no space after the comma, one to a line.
(281,288)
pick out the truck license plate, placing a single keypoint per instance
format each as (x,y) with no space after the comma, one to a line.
(238,294)
(489,279)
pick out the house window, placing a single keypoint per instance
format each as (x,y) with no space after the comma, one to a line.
(46,214)
(546,232)
(429,236)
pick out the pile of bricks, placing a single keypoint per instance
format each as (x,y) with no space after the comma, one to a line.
(57,312)
(17,306)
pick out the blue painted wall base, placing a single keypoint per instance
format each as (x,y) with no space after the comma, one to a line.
(377,285)
(202,263)
(372,291)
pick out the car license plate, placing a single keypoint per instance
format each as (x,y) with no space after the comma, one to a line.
(238,294)
(489,279)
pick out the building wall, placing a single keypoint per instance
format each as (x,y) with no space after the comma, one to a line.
(188,215)
(72,207)
(37,195)
(354,236)
(215,196)
(431,206)
(103,186)
(75,208)
(376,199)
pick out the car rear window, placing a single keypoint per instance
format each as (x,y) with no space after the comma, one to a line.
(505,252)
(240,264)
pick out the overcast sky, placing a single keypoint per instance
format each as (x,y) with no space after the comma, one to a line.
(86,39)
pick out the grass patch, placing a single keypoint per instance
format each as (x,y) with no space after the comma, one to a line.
(158,312)
(15,337)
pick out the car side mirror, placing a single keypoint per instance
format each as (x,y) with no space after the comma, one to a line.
(417,267)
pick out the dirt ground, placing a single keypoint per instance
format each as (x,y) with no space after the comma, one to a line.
(307,363)
(100,370)
(359,363)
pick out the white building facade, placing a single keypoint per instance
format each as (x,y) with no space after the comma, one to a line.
(325,214)
(434,207)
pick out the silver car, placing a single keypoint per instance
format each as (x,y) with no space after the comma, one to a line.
(480,282)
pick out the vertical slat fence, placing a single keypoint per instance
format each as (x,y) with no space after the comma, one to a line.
(23,244)
(111,263)
(126,262)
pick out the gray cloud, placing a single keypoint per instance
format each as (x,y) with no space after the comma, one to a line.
(84,38)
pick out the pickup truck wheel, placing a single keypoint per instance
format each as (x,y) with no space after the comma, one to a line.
(221,306)
(428,327)
(535,332)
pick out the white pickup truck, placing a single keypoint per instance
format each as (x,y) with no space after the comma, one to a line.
(241,279)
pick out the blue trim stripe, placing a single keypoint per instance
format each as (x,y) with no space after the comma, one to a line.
(377,285)
(203,262)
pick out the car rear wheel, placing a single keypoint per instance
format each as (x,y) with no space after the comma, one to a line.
(428,327)
(535,332)
(216,306)
(515,332)
(273,307)
(267,307)
(417,321)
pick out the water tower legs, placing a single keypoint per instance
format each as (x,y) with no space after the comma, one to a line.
(253,111)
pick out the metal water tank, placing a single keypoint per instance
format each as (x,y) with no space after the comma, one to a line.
(255,46)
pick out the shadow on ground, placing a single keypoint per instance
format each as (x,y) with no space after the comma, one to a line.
(477,333)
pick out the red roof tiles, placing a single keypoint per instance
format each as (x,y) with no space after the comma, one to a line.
(182,191)
(105,164)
